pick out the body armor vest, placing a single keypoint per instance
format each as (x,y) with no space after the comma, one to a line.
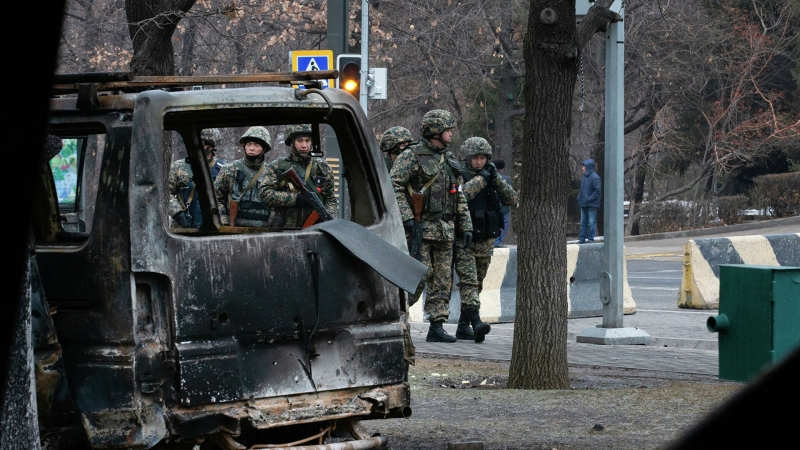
(485,210)
(250,206)
(441,196)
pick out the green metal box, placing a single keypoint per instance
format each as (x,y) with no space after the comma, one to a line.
(759,318)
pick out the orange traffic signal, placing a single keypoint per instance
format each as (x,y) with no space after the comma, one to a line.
(349,67)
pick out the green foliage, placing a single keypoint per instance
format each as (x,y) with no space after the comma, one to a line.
(778,193)
(730,207)
(663,217)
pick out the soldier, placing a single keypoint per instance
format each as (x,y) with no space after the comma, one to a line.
(184,204)
(238,183)
(429,168)
(393,142)
(290,209)
(486,193)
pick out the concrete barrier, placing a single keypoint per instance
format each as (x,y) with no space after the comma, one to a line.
(702,258)
(499,295)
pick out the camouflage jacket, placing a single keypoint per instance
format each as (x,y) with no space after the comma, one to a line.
(408,170)
(231,185)
(281,195)
(388,160)
(181,188)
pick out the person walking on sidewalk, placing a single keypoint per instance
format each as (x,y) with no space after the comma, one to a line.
(430,169)
(588,201)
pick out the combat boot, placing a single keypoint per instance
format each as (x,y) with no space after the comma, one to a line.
(464,330)
(480,328)
(436,333)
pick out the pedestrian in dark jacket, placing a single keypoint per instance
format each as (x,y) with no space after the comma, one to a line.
(589,201)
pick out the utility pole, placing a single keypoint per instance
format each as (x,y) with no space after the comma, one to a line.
(365,81)
(612,331)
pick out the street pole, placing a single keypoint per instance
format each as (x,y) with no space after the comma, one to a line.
(338,33)
(613,232)
(364,55)
(612,331)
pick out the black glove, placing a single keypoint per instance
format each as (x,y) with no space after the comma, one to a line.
(492,171)
(183,219)
(408,225)
(467,239)
(302,202)
(485,174)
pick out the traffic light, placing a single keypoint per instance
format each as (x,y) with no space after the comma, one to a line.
(349,67)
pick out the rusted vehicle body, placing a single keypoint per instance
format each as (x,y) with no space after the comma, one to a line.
(224,335)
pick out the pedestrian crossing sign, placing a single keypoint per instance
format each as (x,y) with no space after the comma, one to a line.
(310,60)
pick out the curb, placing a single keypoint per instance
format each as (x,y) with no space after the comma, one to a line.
(795,220)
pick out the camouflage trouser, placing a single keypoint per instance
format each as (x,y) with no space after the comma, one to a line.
(438,256)
(471,266)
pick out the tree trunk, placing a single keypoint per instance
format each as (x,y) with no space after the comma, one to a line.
(151,24)
(638,195)
(552,43)
(504,118)
(187,51)
(539,357)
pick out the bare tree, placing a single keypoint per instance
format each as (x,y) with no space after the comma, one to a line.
(151,24)
(552,45)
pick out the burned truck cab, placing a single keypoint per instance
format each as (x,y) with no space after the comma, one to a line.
(218,334)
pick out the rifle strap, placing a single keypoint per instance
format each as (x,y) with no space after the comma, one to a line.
(253,180)
(430,182)
(191,196)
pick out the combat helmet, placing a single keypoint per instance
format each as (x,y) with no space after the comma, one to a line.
(435,122)
(259,135)
(296,130)
(393,137)
(476,146)
(211,135)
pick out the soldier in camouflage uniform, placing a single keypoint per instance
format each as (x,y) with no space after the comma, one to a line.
(486,193)
(431,169)
(393,142)
(290,209)
(184,204)
(238,182)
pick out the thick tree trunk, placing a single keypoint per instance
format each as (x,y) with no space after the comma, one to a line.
(552,43)
(539,358)
(151,24)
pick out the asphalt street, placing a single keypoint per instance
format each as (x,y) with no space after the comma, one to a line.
(680,341)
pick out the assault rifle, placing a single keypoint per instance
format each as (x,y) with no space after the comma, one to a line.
(414,240)
(319,209)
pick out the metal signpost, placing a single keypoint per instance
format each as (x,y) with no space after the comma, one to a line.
(612,331)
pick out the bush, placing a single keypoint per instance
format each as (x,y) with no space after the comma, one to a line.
(664,217)
(729,208)
(779,194)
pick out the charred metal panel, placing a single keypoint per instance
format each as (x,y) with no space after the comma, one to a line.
(210,372)
(142,427)
(88,283)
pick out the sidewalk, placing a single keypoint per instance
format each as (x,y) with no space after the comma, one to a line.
(680,341)
(692,353)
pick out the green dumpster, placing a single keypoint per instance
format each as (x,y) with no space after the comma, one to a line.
(759,318)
